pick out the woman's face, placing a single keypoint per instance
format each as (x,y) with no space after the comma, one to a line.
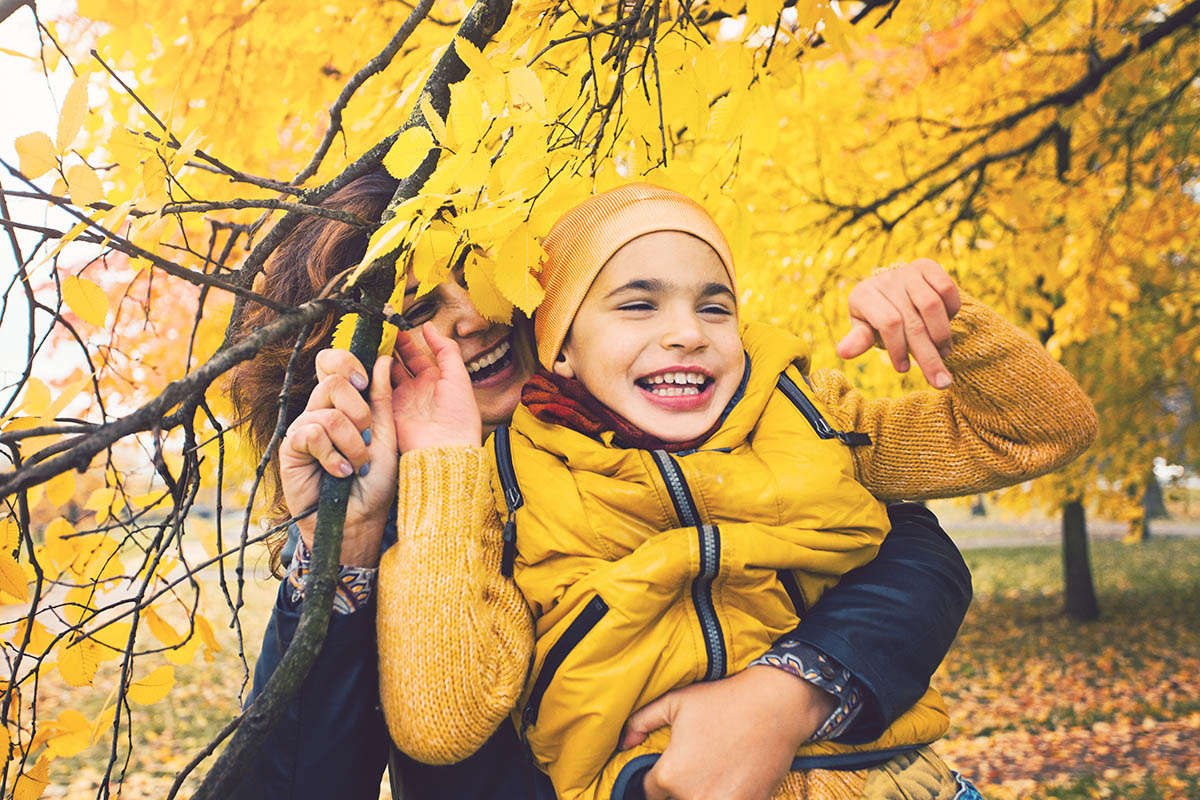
(499,357)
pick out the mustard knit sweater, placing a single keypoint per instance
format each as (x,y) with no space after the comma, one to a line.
(455,637)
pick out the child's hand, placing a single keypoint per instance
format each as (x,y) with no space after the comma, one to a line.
(432,400)
(908,310)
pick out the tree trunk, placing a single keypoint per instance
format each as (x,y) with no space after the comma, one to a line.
(1079,595)
(1152,498)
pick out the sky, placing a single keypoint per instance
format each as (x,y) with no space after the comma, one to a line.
(30,101)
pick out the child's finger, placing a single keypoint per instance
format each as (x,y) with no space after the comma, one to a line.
(446,351)
(859,340)
(414,358)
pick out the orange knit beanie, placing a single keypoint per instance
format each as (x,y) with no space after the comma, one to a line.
(587,236)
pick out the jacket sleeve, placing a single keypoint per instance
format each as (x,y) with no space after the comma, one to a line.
(455,637)
(891,622)
(330,740)
(1012,413)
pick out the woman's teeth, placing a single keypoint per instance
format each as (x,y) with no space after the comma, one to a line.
(490,357)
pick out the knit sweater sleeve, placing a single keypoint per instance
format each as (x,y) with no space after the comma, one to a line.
(455,637)
(1012,413)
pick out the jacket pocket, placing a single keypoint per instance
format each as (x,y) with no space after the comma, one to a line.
(584,621)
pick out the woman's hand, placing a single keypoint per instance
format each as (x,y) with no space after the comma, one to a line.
(908,310)
(733,738)
(433,404)
(339,432)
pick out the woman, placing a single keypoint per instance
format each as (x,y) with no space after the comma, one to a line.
(730,738)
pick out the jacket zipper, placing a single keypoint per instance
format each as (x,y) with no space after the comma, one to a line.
(583,623)
(824,430)
(709,537)
(512,498)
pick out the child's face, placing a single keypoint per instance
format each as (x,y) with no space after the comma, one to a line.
(656,337)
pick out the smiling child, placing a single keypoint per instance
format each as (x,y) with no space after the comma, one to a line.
(676,493)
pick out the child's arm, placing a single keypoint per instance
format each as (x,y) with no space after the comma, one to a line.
(1010,414)
(454,636)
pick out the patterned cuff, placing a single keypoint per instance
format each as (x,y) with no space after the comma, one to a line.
(809,663)
(354,584)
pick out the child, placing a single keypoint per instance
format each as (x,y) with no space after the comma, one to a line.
(674,495)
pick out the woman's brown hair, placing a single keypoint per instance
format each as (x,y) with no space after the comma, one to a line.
(307,259)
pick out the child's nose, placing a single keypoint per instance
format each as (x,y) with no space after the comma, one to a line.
(683,332)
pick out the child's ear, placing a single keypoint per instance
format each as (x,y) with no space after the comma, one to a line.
(562,365)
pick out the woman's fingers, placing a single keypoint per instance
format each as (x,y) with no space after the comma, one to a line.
(331,439)
(412,356)
(877,310)
(644,721)
(336,392)
(341,362)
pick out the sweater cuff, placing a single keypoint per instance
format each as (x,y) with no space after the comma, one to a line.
(439,490)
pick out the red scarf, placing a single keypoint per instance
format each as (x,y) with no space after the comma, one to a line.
(564,401)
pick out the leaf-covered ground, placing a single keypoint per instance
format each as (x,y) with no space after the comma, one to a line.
(1041,707)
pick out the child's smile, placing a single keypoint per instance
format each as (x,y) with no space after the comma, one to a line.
(656,338)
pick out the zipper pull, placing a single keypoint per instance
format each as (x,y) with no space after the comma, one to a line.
(509,553)
(853,438)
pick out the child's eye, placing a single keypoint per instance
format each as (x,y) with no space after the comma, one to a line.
(716,308)
(636,305)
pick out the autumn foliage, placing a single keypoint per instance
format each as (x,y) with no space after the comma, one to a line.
(1045,153)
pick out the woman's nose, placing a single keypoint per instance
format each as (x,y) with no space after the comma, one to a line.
(461,318)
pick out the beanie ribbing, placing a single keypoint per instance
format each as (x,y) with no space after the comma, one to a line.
(586,237)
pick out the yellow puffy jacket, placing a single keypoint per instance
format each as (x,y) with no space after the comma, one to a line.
(647,571)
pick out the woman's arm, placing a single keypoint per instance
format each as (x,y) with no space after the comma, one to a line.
(330,740)
(1010,414)
(455,636)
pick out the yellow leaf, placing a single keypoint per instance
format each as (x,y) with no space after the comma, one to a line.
(184,653)
(206,633)
(64,397)
(103,721)
(59,544)
(36,152)
(434,120)
(432,254)
(410,149)
(113,638)
(760,13)
(153,687)
(61,488)
(31,784)
(187,148)
(525,90)
(476,62)
(12,577)
(39,637)
(10,533)
(5,741)
(77,663)
(68,237)
(515,258)
(37,398)
(465,123)
(162,630)
(73,734)
(73,112)
(84,185)
(484,294)
(100,499)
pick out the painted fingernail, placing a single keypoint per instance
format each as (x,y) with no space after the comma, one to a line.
(944,351)
(367,436)
(364,469)
(941,380)
(345,469)
(358,381)
(903,366)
